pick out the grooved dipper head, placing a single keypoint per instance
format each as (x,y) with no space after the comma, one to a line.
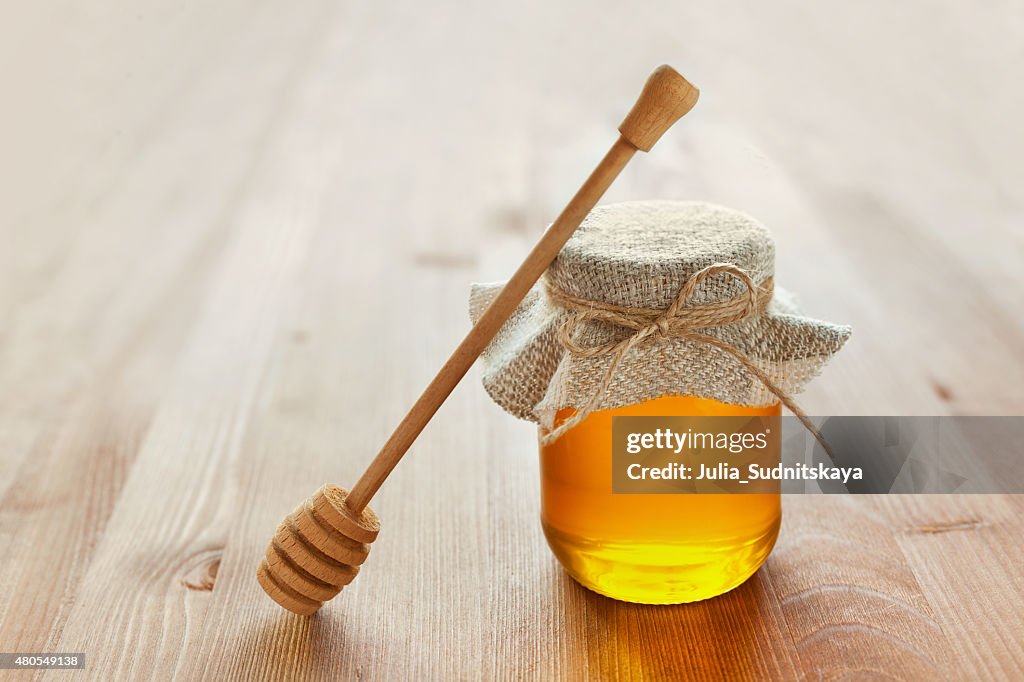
(316,551)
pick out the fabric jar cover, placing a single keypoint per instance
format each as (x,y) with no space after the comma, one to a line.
(639,254)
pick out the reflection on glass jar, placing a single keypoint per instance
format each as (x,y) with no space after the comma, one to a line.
(657,548)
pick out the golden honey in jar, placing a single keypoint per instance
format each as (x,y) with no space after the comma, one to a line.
(649,305)
(649,548)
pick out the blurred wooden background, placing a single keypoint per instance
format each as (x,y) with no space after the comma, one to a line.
(236,240)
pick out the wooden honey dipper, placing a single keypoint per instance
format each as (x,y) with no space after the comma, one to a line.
(318,549)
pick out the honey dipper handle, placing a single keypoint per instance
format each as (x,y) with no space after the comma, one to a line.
(665,98)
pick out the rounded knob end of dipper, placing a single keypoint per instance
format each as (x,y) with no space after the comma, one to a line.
(666,97)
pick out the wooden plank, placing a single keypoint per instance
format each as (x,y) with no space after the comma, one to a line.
(850,598)
(95,372)
(187,453)
(965,552)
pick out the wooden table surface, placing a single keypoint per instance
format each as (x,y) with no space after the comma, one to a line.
(236,240)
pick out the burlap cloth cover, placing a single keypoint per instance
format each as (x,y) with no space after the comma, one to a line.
(640,254)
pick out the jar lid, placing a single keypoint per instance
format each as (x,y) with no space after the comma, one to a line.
(640,253)
(642,269)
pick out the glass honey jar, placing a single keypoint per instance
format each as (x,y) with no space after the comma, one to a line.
(653,309)
(649,548)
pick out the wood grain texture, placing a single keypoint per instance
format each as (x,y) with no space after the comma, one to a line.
(235,244)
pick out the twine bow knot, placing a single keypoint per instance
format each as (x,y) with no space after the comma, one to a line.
(681,320)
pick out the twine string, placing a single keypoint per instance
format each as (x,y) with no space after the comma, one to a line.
(680,320)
